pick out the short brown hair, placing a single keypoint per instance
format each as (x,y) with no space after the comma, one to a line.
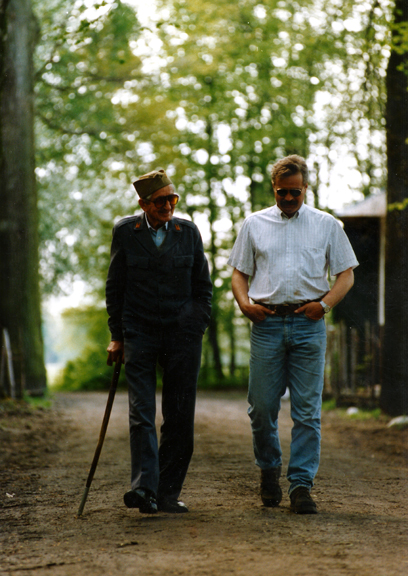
(289,166)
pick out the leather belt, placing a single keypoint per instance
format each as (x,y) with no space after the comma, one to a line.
(285,309)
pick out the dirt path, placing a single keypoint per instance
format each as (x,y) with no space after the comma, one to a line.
(361,491)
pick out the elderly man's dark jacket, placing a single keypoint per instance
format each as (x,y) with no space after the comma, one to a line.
(164,287)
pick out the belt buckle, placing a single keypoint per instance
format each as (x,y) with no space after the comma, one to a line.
(290,308)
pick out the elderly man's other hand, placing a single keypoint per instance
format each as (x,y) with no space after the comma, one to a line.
(115,351)
(312,310)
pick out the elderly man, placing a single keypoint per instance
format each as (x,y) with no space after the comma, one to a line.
(281,260)
(158,297)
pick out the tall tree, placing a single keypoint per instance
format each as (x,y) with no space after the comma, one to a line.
(19,292)
(351,103)
(92,136)
(394,392)
(232,87)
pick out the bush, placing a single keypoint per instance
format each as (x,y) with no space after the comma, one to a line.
(88,372)
(208,379)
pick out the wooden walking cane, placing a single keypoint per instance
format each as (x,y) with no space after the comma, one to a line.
(105,422)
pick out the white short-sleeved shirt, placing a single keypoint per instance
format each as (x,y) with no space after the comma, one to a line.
(288,258)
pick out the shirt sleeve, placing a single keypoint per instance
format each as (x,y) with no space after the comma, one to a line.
(341,253)
(242,255)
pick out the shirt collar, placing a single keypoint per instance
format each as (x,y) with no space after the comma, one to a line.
(165,226)
(297,215)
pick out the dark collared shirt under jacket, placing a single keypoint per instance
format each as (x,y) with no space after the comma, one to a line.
(162,288)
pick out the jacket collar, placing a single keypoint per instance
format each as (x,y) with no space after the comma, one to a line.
(144,237)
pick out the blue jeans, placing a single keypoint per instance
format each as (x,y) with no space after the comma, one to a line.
(287,351)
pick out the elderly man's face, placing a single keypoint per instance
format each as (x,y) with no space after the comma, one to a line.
(290,193)
(158,216)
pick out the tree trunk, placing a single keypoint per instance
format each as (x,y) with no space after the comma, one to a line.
(393,399)
(19,290)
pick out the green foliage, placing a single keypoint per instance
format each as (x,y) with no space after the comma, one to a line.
(214,93)
(398,205)
(242,71)
(360,414)
(400,38)
(328,405)
(87,372)
(208,379)
(232,88)
(91,133)
(39,402)
(364,414)
(27,406)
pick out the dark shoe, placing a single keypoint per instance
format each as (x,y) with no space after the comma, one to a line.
(142,499)
(301,502)
(271,492)
(171,505)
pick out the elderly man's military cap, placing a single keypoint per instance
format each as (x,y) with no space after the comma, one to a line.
(148,183)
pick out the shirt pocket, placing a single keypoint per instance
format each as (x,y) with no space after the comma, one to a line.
(313,262)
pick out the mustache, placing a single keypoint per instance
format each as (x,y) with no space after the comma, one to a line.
(289,203)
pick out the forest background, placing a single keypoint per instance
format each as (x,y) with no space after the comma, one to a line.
(215,93)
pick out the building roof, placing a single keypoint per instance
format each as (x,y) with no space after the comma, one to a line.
(374,206)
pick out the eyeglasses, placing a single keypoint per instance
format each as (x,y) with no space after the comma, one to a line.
(162,200)
(295,192)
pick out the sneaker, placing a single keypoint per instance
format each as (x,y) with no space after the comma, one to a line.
(271,492)
(301,502)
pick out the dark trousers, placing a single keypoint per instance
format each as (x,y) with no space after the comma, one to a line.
(161,469)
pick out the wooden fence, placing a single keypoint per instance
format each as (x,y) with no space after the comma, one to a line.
(353,365)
